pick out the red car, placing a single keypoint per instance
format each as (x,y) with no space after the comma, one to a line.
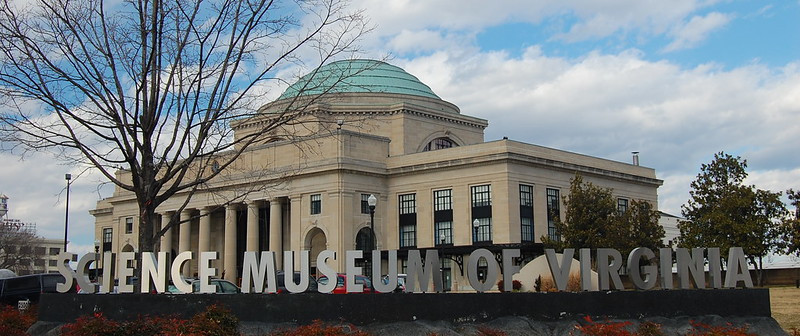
(341,287)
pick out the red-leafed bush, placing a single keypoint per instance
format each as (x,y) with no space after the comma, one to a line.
(608,328)
(317,328)
(96,324)
(516,285)
(214,321)
(14,322)
(702,329)
(486,331)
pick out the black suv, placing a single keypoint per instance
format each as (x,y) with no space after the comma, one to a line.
(29,287)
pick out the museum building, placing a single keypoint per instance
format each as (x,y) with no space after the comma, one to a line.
(376,131)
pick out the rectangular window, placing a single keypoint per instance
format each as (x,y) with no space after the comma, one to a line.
(443,217)
(482,212)
(107,235)
(55,251)
(129,225)
(52,263)
(622,205)
(408,204)
(316,204)
(365,204)
(482,195)
(408,235)
(526,212)
(553,212)
(107,238)
(408,220)
(443,200)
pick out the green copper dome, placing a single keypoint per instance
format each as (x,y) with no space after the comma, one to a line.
(359,76)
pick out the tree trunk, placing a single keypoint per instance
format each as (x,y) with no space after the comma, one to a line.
(760,272)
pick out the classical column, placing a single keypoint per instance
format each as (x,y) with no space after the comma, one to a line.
(276,231)
(166,239)
(252,226)
(204,234)
(184,239)
(229,259)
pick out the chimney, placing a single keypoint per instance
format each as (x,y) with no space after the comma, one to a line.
(635,158)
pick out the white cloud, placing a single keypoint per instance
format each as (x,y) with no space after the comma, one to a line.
(608,105)
(696,30)
(674,192)
(37,192)
(578,20)
(408,41)
(775,179)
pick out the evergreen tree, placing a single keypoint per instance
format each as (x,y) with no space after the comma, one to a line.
(723,212)
(641,226)
(593,221)
(791,225)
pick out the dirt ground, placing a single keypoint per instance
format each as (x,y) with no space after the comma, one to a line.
(785,303)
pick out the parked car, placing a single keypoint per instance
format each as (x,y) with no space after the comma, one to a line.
(341,284)
(401,282)
(29,287)
(221,286)
(279,277)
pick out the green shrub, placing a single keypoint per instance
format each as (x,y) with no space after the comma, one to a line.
(648,328)
(215,321)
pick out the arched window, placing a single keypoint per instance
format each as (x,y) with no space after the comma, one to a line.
(366,243)
(439,143)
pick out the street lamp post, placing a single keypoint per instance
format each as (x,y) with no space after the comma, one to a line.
(372,202)
(442,239)
(475,225)
(67,177)
(96,251)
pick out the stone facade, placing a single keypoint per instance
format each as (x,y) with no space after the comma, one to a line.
(306,188)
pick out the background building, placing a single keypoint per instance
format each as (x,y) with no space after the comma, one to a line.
(380,132)
(21,249)
(670,224)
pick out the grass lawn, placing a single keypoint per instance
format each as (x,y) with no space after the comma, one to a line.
(785,304)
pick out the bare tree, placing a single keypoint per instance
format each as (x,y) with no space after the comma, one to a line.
(18,246)
(152,86)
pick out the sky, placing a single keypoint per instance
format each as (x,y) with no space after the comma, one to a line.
(676,81)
